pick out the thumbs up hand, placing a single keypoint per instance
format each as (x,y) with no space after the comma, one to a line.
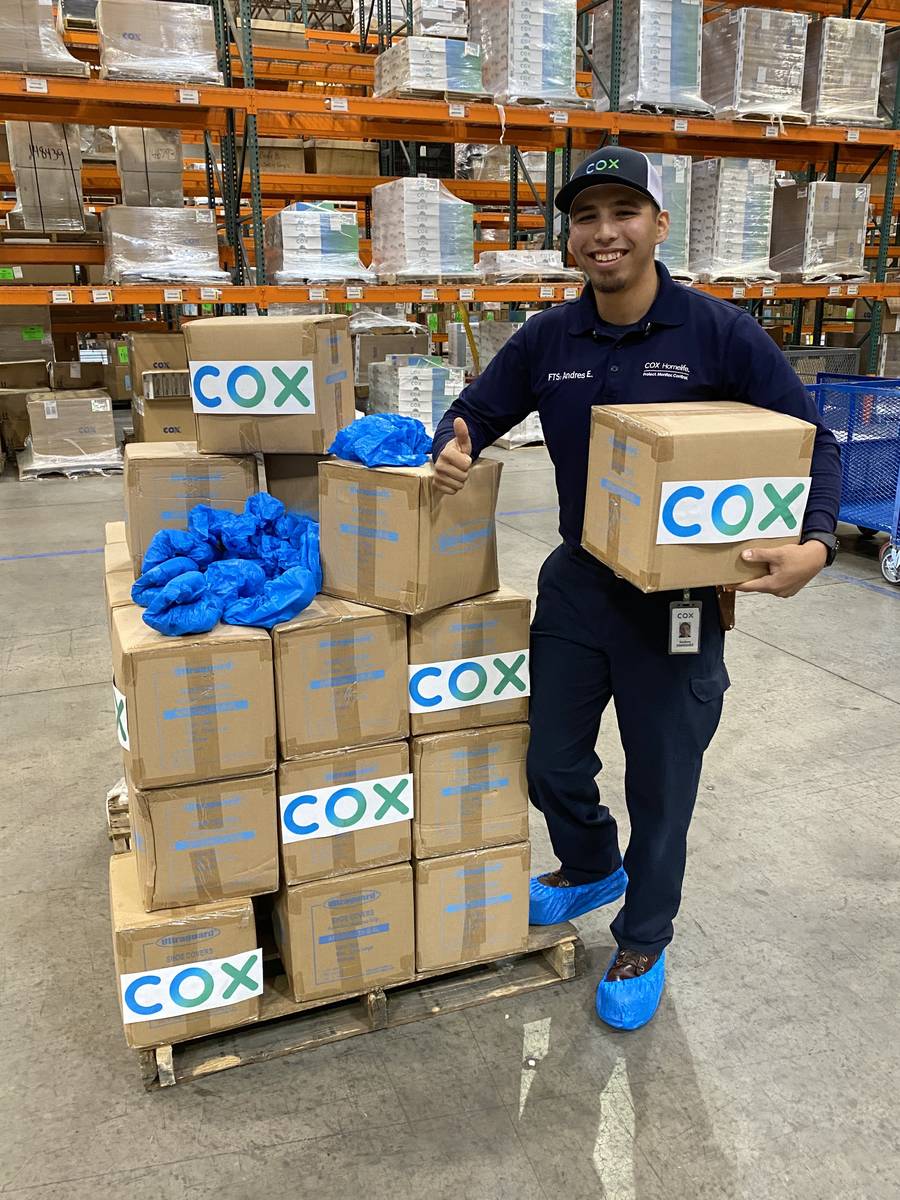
(455,460)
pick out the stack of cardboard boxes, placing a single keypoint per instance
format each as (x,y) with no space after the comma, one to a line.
(381,731)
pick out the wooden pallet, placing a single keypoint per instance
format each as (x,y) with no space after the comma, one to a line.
(118,821)
(448,97)
(554,953)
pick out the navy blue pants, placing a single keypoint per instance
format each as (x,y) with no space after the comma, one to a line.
(596,637)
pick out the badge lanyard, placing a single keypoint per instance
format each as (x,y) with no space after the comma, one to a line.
(684,624)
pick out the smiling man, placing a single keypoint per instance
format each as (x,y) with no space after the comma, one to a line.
(595,637)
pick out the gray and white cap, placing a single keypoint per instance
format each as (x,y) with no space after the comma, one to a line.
(613,164)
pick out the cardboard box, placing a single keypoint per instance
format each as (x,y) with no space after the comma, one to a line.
(347,810)
(375,347)
(470,790)
(37,275)
(117,380)
(71,424)
(166,384)
(340,678)
(677,491)
(294,480)
(114,531)
(390,539)
(165,480)
(206,841)
(66,375)
(14,427)
(154,352)
(326,156)
(300,367)
(25,335)
(346,935)
(195,708)
(471,906)
(162,420)
(469,664)
(24,376)
(172,980)
(118,577)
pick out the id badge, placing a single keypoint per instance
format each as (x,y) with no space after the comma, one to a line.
(684,626)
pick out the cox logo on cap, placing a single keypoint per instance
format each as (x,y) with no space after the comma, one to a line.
(602,164)
(264,386)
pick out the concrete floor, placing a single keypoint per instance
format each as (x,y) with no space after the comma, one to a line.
(771,1070)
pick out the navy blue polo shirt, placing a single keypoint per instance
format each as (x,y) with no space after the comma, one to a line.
(690,346)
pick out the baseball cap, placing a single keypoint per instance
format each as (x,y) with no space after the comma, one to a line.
(613,164)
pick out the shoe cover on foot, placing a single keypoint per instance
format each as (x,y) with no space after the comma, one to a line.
(631,1003)
(549,905)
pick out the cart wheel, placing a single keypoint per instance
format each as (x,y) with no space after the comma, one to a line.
(890,562)
(866,531)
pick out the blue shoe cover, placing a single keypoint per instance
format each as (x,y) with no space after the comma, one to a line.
(631,1003)
(550,905)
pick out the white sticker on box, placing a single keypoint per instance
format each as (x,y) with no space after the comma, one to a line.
(75,370)
(171,295)
(101,296)
(35,85)
(263,387)
(121,710)
(99,405)
(60,296)
(157,993)
(461,682)
(771,131)
(188,96)
(50,410)
(362,804)
(708,511)
(17,272)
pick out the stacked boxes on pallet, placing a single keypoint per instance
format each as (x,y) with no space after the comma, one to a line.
(414,385)
(819,230)
(731,218)
(842,77)
(753,64)
(391,542)
(430,66)
(420,230)
(528,49)
(232,736)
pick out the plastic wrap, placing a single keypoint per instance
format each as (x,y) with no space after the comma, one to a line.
(661,56)
(440,18)
(314,243)
(157,41)
(731,218)
(507,266)
(529,432)
(96,143)
(843,71)
(33,466)
(675,173)
(414,65)
(46,164)
(753,64)
(25,334)
(161,245)
(373,320)
(29,41)
(889,69)
(459,352)
(414,385)
(819,231)
(150,166)
(528,49)
(421,231)
(76,14)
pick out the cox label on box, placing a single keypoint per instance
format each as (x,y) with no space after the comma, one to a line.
(325,812)
(121,718)
(459,682)
(153,995)
(730,510)
(258,388)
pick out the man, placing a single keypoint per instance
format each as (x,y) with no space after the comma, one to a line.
(595,637)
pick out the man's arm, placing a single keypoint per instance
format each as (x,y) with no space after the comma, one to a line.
(758,373)
(490,406)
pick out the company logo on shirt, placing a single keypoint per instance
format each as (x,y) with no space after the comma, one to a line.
(666,370)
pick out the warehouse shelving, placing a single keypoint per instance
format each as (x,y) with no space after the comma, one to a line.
(255,103)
